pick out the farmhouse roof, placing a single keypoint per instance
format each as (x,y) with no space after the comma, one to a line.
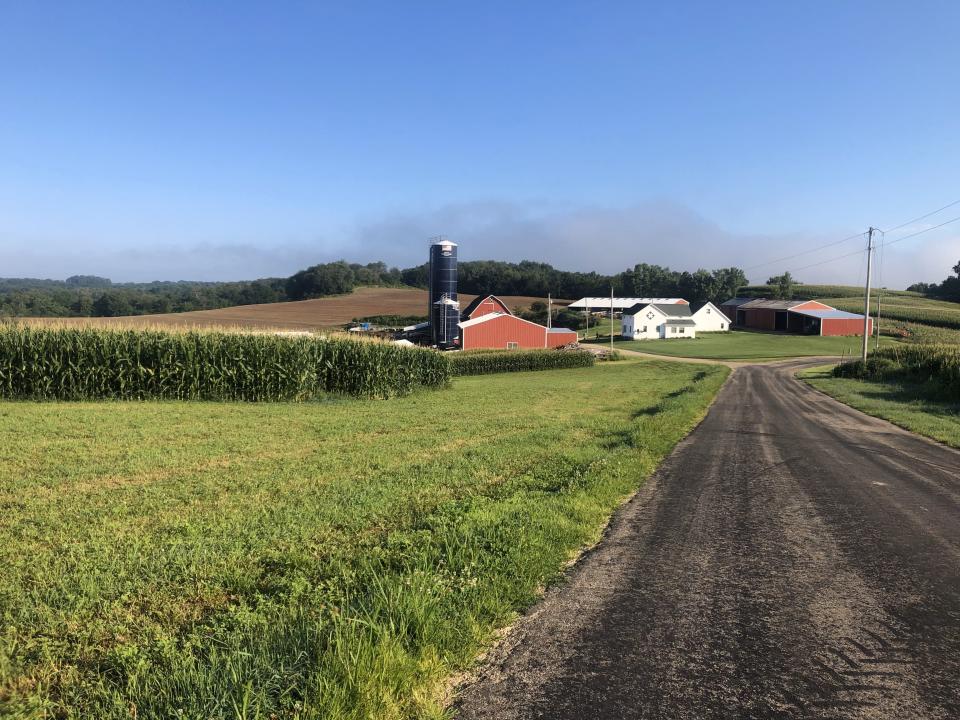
(685,322)
(668,309)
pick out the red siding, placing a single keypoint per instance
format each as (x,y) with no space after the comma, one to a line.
(556,339)
(840,326)
(505,329)
(489,305)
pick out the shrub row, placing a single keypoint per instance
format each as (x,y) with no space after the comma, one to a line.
(486,362)
(936,365)
(90,364)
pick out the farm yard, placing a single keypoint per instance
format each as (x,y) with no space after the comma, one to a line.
(318,314)
(336,559)
(745,345)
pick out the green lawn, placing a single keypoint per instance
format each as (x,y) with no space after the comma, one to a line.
(742,345)
(902,404)
(327,560)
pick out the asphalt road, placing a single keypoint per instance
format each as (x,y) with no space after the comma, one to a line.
(793,558)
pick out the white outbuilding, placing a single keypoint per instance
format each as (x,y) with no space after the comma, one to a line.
(709,318)
(657,321)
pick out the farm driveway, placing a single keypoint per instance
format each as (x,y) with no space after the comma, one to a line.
(793,558)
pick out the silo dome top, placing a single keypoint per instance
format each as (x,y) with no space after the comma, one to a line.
(443,241)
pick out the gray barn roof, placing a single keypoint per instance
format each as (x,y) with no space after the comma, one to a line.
(763,304)
(671,310)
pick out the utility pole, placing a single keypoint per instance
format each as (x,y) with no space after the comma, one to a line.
(866,300)
(611,318)
(549,312)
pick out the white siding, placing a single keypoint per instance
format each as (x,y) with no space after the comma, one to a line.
(710,319)
(643,327)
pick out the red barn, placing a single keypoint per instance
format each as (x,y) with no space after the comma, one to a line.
(484,305)
(488,323)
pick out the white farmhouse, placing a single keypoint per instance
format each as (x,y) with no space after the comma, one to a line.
(658,321)
(709,318)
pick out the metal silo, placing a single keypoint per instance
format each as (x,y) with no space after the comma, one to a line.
(444,306)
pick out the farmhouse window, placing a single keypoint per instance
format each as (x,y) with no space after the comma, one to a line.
(512,346)
(682,330)
(673,330)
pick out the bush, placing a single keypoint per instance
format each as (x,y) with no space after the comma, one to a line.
(937,365)
(497,361)
(93,364)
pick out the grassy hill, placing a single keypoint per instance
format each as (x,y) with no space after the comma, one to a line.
(327,312)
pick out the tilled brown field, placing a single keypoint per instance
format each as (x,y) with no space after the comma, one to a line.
(303,315)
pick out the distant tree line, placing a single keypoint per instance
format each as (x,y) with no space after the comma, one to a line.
(89,295)
(949,289)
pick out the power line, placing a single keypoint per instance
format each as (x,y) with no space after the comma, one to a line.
(805,252)
(921,232)
(922,217)
(859,235)
(824,262)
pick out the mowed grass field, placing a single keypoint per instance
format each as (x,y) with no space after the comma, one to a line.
(908,405)
(322,313)
(336,559)
(743,345)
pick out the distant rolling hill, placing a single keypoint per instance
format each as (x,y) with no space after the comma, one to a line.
(315,314)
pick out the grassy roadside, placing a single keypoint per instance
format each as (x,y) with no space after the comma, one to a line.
(335,560)
(902,404)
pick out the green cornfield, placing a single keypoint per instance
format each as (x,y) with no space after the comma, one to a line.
(95,364)
(936,366)
(486,362)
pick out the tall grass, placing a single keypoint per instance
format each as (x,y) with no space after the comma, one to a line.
(936,366)
(487,362)
(72,363)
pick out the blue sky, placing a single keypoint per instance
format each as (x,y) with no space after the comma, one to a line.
(222,140)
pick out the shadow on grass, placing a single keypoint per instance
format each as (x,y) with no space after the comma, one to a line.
(911,393)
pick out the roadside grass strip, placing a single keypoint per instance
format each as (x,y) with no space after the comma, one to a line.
(281,560)
(909,405)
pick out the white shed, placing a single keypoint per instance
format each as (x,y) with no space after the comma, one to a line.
(709,318)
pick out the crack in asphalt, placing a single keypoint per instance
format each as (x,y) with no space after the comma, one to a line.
(775,566)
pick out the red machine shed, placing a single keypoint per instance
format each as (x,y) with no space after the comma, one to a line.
(832,322)
(808,317)
(509,332)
